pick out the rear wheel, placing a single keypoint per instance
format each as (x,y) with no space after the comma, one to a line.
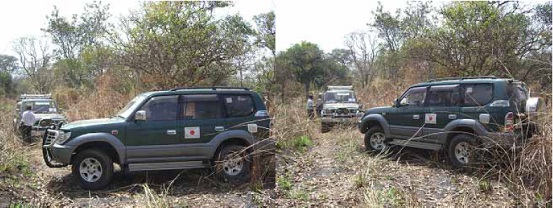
(93,168)
(461,151)
(375,139)
(233,164)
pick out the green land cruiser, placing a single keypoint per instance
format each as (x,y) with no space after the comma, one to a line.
(181,128)
(454,115)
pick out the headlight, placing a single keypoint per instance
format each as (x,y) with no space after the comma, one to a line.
(63,137)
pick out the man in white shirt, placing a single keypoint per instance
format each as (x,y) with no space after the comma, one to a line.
(27,121)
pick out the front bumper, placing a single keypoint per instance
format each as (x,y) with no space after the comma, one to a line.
(61,153)
(339,120)
(58,153)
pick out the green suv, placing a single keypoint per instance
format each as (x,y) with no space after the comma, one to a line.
(181,128)
(454,115)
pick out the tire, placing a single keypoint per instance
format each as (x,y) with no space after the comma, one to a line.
(375,140)
(99,164)
(325,128)
(235,171)
(461,151)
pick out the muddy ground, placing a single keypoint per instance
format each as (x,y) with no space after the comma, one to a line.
(332,171)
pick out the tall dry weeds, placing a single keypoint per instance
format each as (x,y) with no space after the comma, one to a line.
(101,102)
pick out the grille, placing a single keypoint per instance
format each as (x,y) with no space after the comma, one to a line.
(342,111)
(50,137)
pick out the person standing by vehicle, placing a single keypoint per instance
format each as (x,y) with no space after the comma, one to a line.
(27,121)
(319,105)
(310,106)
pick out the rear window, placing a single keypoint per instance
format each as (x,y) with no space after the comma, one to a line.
(477,94)
(445,95)
(238,105)
(517,94)
(201,107)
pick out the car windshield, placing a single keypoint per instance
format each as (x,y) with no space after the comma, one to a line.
(339,97)
(129,108)
(42,106)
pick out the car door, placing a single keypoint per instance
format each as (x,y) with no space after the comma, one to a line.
(442,107)
(156,136)
(408,120)
(240,110)
(200,121)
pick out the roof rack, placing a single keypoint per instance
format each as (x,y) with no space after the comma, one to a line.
(212,88)
(462,78)
(340,87)
(35,96)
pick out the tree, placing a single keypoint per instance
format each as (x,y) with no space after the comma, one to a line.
(35,57)
(388,27)
(266,30)
(363,49)
(304,60)
(265,36)
(479,38)
(182,43)
(84,33)
(8,64)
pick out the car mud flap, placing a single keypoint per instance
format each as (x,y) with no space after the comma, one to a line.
(47,154)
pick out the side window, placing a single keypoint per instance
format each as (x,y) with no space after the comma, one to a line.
(161,108)
(238,105)
(444,96)
(477,94)
(201,107)
(414,97)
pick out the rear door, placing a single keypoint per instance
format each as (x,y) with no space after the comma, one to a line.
(442,107)
(240,112)
(475,98)
(201,120)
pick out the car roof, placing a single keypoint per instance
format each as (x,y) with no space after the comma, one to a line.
(207,90)
(36,99)
(463,81)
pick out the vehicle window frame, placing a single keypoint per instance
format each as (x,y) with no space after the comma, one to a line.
(444,88)
(411,88)
(182,105)
(463,94)
(226,114)
(132,116)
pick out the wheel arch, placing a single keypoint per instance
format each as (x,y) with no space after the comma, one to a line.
(102,141)
(374,119)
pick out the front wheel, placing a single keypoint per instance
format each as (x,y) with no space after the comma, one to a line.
(375,139)
(461,151)
(93,169)
(232,164)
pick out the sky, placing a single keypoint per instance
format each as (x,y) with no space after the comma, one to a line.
(25,18)
(325,23)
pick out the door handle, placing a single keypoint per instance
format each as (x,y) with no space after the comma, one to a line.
(219,128)
(171,132)
(416,117)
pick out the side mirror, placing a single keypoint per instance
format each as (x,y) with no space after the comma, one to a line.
(140,115)
(396,103)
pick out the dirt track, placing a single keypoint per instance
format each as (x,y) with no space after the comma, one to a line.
(336,171)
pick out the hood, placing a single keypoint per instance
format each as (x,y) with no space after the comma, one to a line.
(340,105)
(92,123)
(379,110)
(53,116)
